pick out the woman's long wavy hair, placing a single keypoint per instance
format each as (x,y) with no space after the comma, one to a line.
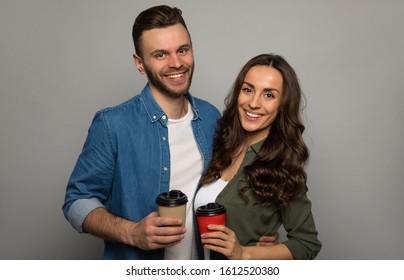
(278,174)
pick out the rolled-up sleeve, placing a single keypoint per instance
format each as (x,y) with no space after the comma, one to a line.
(79,211)
(91,180)
(302,235)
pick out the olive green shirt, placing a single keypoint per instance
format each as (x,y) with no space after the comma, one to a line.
(250,220)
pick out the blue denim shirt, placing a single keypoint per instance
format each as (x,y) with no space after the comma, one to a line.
(125,164)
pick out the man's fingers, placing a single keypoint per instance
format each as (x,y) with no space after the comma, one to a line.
(154,219)
(268,240)
(166,221)
(169,231)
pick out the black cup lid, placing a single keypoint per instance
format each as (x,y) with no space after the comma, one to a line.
(172,198)
(210,209)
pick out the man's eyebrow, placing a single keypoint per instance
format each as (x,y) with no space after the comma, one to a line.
(187,46)
(158,51)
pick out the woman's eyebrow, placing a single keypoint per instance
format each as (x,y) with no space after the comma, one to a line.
(266,89)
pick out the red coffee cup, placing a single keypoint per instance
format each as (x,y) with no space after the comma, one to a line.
(210,214)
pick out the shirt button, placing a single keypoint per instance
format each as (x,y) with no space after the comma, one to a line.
(154,117)
(163,117)
(164,138)
(249,149)
(165,168)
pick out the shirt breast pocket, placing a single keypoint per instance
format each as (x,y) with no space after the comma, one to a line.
(250,221)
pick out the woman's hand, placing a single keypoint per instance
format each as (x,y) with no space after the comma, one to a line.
(223,240)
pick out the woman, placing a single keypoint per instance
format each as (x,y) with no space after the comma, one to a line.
(258,167)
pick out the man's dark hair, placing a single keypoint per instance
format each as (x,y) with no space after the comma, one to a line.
(155,17)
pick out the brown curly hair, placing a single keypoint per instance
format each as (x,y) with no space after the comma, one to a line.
(278,174)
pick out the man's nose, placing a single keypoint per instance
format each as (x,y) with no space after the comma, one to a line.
(174,61)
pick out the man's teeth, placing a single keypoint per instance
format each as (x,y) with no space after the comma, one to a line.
(175,76)
(252,115)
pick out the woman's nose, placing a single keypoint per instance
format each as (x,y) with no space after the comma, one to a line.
(254,102)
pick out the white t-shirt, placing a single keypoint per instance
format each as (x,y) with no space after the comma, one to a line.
(209,193)
(186,167)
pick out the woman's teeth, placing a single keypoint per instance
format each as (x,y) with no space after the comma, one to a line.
(252,115)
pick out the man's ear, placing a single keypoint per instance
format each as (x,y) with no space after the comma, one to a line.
(139,63)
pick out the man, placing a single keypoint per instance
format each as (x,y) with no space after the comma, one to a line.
(159,140)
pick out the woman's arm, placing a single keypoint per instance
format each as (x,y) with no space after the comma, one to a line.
(302,236)
(223,240)
(301,231)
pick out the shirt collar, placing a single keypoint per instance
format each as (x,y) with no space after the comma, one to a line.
(257,146)
(154,110)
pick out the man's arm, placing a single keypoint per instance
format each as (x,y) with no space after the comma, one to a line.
(153,232)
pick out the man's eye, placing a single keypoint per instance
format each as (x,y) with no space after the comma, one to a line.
(183,51)
(159,56)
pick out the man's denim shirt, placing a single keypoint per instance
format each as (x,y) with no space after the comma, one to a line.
(125,164)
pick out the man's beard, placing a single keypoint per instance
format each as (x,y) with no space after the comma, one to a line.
(156,82)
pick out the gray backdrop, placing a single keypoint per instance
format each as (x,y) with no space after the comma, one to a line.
(63,60)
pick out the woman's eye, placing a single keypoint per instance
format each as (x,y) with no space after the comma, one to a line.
(246,90)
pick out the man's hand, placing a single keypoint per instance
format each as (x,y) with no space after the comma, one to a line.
(154,232)
(268,240)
